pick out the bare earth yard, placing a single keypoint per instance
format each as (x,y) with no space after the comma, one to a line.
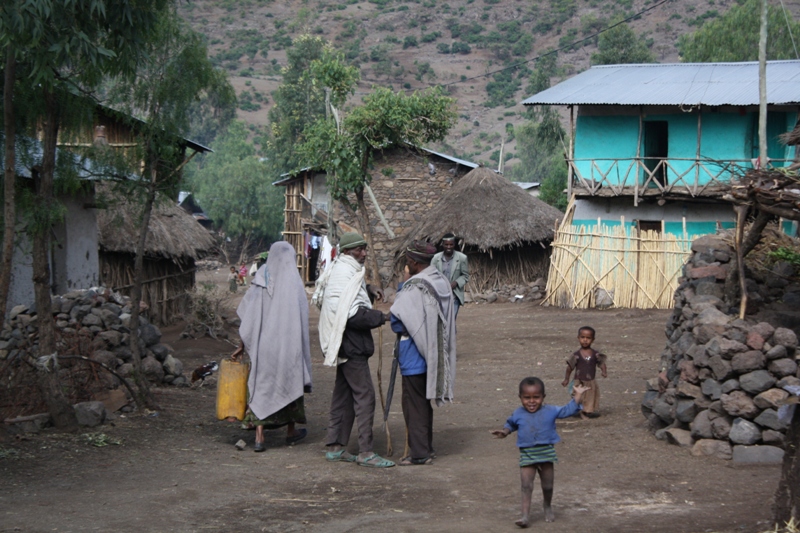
(178,470)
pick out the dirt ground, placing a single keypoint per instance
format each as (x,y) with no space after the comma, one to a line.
(178,470)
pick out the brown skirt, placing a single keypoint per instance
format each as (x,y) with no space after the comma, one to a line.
(294,412)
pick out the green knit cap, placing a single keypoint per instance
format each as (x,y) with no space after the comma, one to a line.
(351,240)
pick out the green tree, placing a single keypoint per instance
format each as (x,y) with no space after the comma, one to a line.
(234,187)
(57,49)
(734,36)
(540,148)
(620,45)
(312,66)
(345,149)
(176,73)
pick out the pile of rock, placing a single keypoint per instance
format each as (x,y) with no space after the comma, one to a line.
(726,375)
(95,323)
(533,291)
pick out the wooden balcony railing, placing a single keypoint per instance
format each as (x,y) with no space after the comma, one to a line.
(655,176)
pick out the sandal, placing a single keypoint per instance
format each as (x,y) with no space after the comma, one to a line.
(375,461)
(301,434)
(259,447)
(408,461)
(342,455)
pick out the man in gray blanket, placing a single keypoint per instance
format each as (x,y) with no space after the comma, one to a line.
(346,321)
(423,316)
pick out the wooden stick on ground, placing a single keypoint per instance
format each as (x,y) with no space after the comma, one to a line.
(389,450)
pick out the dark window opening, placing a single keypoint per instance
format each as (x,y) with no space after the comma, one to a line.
(656,149)
(648,225)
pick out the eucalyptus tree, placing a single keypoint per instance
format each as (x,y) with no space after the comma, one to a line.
(345,149)
(315,73)
(56,49)
(234,186)
(175,73)
(620,44)
(734,36)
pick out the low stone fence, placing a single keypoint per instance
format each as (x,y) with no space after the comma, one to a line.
(727,377)
(95,324)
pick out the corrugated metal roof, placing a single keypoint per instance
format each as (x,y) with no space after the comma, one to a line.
(456,160)
(711,84)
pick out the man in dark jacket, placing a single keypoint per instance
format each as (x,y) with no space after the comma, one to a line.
(353,393)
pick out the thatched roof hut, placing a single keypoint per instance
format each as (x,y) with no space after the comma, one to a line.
(175,240)
(503,230)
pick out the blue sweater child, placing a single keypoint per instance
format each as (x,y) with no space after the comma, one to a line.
(535,423)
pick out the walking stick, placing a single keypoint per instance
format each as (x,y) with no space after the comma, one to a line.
(389,450)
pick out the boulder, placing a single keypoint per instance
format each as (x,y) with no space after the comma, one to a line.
(90,414)
(721,427)
(765,329)
(744,432)
(782,367)
(685,411)
(710,244)
(754,340)
(788,380)
(756,382)
(712,447)
(172,366)
(772,437)
(701,426)
(748,361)
(720,367)
(663,410)
(689,372)
(711,388)
(152,369)
(681,437)
(784,337)
(710,288)
(730,385)
(150,334)
(687,390)
(777,352)
(726,348)
(105,357)
(769,398)
(739,403)
(769,419)
(714,317)
(757,454)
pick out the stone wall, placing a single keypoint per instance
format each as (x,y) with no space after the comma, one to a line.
(727,376)
(93,323)
(406,189)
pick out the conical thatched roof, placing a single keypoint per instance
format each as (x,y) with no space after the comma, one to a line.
(173,233)
(489,212)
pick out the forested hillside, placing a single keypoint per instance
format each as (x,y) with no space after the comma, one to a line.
(483,51)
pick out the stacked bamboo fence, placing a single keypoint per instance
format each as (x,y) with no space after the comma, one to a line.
(637,269)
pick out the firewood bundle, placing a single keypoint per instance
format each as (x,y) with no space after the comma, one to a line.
(775,191)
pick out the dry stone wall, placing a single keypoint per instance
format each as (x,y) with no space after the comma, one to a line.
(727,376)
(93,323)
(407,185)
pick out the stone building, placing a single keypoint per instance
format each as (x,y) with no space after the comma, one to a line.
(406,184)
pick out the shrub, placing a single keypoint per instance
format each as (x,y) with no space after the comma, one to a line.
(431,37)
(409,41)
(460,48)
(443,48)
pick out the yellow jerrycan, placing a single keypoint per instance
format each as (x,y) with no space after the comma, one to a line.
(232,389)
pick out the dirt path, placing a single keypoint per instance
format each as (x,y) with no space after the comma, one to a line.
(177,470)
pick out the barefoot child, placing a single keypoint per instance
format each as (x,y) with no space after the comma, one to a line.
(585,362)
(535,422)
(233,279)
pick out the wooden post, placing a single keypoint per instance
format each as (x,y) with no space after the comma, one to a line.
(638,156)
(571,156)
(762,88)
(697,156)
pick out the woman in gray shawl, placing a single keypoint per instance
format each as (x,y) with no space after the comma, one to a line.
(274,331)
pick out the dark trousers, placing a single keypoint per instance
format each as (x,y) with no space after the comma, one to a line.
(456,305)
(418,413)
(353,397)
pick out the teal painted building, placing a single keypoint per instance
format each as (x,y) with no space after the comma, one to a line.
(656,146)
